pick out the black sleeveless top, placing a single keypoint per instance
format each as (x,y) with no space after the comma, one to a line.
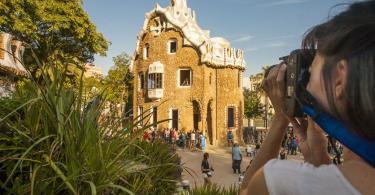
(205,165)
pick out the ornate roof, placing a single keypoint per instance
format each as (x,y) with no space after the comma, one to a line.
(215,51)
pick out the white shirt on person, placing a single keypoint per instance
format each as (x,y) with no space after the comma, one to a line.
(292,178)
(249,149)
(192,136)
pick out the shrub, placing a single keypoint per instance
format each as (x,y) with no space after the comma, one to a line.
(51,142)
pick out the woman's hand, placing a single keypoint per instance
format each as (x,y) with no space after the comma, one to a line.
(274,86)
(313,142)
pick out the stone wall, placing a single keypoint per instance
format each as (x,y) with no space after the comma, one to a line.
(229,95)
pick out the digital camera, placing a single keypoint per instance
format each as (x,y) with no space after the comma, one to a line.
(297,76)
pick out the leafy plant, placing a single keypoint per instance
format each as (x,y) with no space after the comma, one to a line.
(213,189)
(162,172)
(54,142)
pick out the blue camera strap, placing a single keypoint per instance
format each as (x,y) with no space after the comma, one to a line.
(336,129)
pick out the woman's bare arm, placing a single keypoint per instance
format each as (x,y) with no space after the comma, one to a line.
(269,150)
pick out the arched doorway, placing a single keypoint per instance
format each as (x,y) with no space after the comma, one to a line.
(209,122)
(196,114)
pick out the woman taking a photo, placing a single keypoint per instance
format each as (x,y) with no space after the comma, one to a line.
(342,81)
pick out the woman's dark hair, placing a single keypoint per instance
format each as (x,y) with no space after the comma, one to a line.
(205,156)
(350,36)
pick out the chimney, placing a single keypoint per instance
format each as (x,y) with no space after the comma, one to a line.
(179,3)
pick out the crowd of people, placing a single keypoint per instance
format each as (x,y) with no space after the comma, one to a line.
(193,139)
(291,143)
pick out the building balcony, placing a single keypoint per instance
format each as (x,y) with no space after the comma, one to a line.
(155,93)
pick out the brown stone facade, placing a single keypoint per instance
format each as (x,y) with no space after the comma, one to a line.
(204,104)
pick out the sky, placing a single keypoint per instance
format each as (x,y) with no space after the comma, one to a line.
(264,29)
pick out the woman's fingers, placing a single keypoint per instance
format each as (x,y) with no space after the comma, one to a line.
(280,79)
(274,84)
(269,83)
(273,74)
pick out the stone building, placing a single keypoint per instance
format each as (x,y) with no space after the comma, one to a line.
(261,123)
(182,74)
(11,68)
(90,70)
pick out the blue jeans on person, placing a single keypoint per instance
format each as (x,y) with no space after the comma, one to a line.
(236,166)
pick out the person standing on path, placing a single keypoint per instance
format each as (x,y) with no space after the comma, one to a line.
(230,138)
(183,140)
(236,158)
(188,139)
(197,139)
(146,136)
(153,135)
(283,155)
(192,141)
(294,146)
(249,151)
(206,169)
(203,142)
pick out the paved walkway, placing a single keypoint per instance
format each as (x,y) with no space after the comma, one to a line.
(220,159)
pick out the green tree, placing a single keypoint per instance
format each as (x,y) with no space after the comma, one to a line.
(92,87)
(55,30)
(118,82)
(252,104)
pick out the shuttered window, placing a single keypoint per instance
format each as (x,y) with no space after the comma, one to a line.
(231,117)
(155,81)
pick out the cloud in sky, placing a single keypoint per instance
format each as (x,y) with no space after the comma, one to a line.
(243,39)
(282,2)
(251,49)
(269,45)
(275,38)
(275,44)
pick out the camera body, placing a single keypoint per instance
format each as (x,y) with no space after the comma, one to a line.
(297,75)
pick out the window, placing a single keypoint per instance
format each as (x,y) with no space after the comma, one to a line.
(141,81)
(140,115)
(210,79)
(231,117)
(146,51)
(172,46)
(155,81)
(2,52)
(185,77)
